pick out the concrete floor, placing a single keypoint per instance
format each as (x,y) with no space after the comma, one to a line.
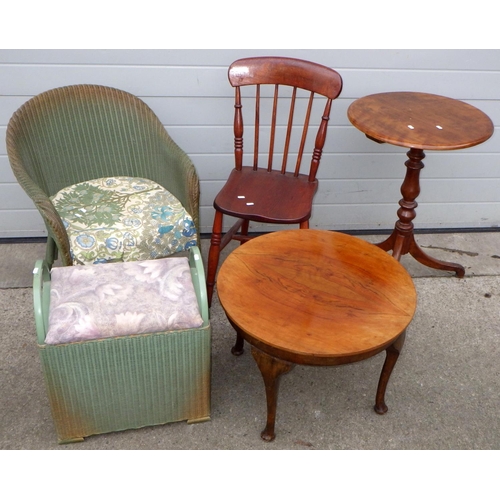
(444,393)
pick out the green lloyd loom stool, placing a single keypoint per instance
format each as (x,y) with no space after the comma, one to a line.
(124,345)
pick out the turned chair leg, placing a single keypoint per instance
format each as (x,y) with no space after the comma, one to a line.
(214,254)
(392,354)
(271,370)
(244,228)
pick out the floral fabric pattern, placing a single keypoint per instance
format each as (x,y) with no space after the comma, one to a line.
(120,219)
(95,302)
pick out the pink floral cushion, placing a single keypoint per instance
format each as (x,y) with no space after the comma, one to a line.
(118,299)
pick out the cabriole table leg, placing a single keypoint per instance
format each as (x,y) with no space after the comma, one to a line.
(392,354)
(271,369)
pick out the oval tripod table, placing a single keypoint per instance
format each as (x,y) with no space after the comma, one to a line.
(314,297)
(418,121)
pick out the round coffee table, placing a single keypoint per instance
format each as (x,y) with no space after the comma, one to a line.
(315,297)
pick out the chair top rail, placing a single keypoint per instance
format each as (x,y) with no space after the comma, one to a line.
(286,71)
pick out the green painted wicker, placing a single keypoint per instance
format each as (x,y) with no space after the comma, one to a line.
(120,383)
(77,133)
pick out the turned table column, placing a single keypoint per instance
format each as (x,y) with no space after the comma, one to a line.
(420,122)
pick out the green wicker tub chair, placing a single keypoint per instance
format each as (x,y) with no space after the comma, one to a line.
(124,345)
(108,180)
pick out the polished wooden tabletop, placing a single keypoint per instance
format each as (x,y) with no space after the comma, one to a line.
(419,120)
(316,297)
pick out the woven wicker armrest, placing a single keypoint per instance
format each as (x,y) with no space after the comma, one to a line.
(198,275)
(41,298)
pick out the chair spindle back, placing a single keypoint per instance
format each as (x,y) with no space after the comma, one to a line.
(310,79)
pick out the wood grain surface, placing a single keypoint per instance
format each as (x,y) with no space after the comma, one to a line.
(419,120)
(315,293)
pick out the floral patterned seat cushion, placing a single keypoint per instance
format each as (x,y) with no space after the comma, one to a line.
(119,299)
(118,219)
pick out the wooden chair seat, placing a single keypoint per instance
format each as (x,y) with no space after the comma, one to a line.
(256,194)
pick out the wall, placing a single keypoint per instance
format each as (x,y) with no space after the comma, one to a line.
(359,179)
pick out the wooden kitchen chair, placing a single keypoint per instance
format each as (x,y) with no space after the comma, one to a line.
(293,94)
